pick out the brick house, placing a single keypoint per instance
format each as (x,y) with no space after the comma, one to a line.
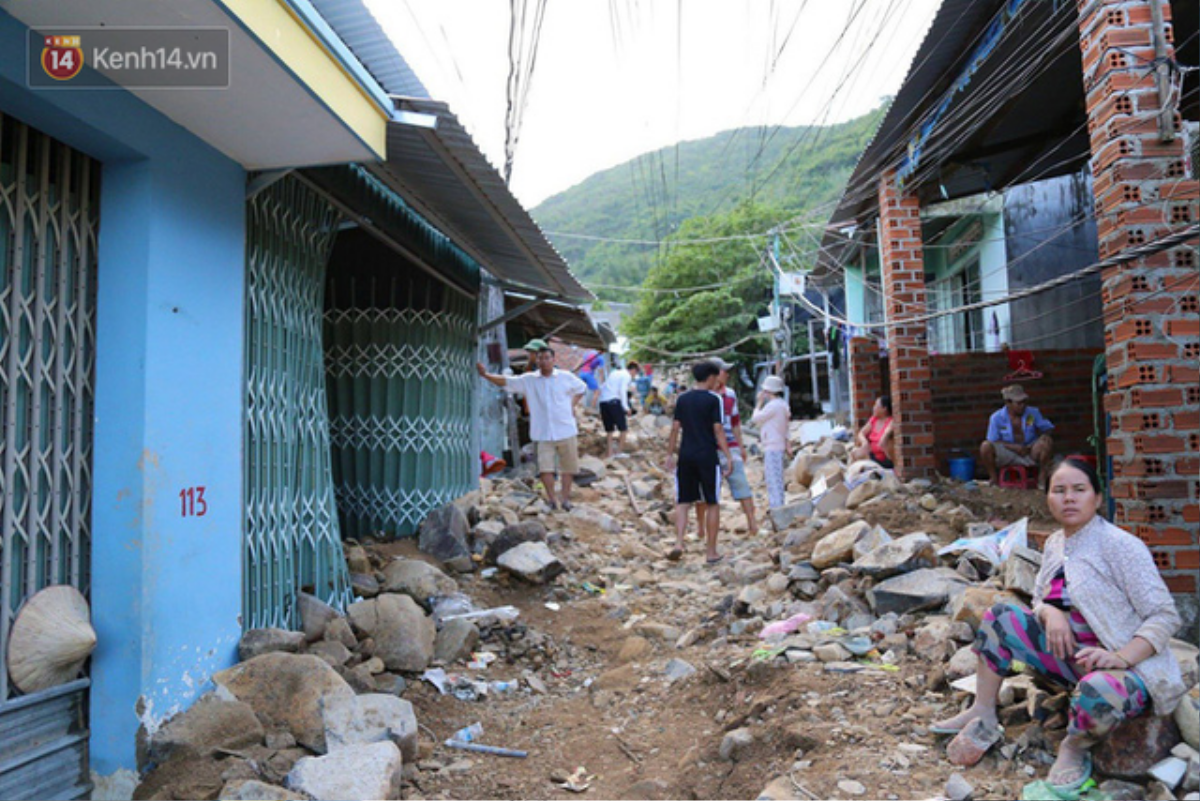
(1027,211)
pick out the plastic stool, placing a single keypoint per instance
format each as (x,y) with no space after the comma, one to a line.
(1017,476)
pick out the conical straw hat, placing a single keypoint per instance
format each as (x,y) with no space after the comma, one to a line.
(50,640)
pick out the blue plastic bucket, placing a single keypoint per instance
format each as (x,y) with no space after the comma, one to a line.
(962,468)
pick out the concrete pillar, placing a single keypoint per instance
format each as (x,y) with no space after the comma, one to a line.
(1152,329)
(903,264)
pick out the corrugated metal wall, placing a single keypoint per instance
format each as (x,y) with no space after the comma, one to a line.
(400,354)
(292,540)
(49,218)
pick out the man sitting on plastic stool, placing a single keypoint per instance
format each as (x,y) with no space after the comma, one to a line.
(1017,436)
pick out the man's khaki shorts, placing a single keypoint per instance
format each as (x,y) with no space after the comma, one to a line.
(567,451)
(1007,458)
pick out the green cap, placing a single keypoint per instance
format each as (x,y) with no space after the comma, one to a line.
(536,345)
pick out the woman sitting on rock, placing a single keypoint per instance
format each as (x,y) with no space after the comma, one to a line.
(874,440)
(1101,621)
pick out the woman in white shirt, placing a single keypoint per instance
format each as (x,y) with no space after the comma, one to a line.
(771,416)
(1101,622)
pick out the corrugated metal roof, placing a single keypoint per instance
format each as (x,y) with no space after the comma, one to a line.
(1034,133)
(354,23)
(443,174)
(568,323)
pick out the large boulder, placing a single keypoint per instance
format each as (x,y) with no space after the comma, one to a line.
(286,692)
(315,615)
(927,588)
(443,535)
(417,579)
(257,642)
(210,724)
(354,773)
(1135,745)
(403,635)
(902,555)
(371,718)
(838,546)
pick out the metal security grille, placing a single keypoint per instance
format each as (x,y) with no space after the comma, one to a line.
(49,215)
(400,367)
(291,535)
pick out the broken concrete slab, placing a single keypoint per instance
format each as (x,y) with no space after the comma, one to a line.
(926,588)
(532,561)
(903,555)
(354,773)
(371,718)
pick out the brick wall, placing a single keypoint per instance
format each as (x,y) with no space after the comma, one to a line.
(902,261)
(966,390)
(1152,335)
(868,378)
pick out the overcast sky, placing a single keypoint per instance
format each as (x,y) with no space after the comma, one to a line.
(618,78)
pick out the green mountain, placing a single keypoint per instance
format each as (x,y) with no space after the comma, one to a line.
(793,169)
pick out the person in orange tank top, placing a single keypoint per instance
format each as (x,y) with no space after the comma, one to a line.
(874,440)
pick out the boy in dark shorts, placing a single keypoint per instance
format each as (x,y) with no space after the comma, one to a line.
(698,472)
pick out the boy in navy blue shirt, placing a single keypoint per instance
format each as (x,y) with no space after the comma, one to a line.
(698,471)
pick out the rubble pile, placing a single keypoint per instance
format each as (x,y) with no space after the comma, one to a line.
(807,664)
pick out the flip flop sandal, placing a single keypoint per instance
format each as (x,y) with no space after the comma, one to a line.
(945,729)
(1085,774)
(715,561)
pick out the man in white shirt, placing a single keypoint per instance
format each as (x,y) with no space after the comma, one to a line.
(552,395)
(614,405)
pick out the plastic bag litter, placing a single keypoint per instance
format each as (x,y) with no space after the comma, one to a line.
(445,607)
(994,547)
(499,615)
(1042,790)
(781,627)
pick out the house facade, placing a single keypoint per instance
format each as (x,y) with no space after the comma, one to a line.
(1027,212)
(238,323)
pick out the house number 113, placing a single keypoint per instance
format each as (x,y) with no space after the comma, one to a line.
(192,503)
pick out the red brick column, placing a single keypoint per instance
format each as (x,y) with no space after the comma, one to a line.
(1152,331)
(866,378)
(903,262)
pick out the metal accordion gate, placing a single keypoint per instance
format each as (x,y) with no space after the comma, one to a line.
(291,533)
(400,369)
(49,217)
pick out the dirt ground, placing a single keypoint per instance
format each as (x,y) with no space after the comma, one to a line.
(644,737)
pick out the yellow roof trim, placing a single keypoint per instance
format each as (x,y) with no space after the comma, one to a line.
(276,24)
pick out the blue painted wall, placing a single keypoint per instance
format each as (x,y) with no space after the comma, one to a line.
(166,588)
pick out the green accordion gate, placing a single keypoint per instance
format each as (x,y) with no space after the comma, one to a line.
(291,530)
(400,369)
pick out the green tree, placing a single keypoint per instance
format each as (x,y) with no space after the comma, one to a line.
(723,287)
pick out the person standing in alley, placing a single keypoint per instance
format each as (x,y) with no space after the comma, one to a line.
(552,395)
(698,431)
(614,406)
(731,420)
(772,415)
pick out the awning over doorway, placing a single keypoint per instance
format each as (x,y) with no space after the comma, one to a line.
(548,318)
(436,167)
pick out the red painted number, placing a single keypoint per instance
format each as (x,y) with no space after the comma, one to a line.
(192,503)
